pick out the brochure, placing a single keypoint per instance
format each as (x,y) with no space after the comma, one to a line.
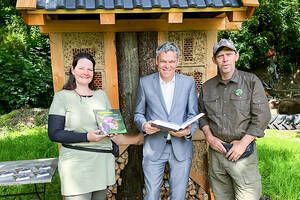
(110,121)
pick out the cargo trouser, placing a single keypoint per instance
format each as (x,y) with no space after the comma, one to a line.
(238,180)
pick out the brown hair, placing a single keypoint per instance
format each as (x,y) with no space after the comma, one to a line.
(71,83)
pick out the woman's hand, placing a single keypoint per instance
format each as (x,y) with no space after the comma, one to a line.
(95,136)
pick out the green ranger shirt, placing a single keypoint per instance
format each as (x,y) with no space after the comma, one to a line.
(234,107)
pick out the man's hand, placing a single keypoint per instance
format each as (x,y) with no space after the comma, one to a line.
(216,144)
(236,150)
(150,129)
(239,147)
(182,132)
(94,136)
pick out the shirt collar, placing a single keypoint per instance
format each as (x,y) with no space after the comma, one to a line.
(162,82)
(234,78)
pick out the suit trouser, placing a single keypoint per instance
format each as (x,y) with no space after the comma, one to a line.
(238,180)
(179,175)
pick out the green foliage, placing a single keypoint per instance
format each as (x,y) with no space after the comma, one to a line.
(25,67)
(275,24)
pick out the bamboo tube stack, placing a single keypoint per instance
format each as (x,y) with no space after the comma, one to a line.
(120,163)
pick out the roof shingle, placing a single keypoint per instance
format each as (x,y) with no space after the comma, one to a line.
(132,4)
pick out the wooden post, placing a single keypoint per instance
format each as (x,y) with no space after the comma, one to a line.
(212,70)
(57,60)
(111,69)
(162,37)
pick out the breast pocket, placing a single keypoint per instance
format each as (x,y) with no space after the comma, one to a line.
(212,105)
(240,103)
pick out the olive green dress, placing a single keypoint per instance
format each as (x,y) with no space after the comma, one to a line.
(82,171)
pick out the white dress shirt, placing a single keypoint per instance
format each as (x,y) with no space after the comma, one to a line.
(167,92)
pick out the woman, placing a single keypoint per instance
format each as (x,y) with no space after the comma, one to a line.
(84,174)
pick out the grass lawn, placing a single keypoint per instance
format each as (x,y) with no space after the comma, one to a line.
(28,144)
(278,152)
(279,164)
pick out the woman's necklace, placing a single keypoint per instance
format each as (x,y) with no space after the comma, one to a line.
(83,95)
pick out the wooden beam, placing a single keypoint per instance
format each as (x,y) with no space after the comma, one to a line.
(107,18)
(232,25)
(111,69)
(132,25)
(26,4)
(221,15)
(175,17)
(33,20)
(162,36)
(57,60)
(253,3)
(237,16)
(25,16)
(250,12)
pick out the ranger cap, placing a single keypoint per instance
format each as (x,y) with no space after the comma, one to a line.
(223,43)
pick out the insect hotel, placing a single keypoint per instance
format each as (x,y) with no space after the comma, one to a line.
(122,35)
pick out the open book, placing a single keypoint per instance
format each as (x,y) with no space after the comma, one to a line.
(166,126)
(110,121)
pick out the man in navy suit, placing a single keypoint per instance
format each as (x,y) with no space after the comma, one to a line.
(168,96)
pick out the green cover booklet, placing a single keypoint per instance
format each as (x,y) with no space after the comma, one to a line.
(110,121)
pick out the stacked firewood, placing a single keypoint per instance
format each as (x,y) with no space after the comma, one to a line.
(120,164)
(193,192)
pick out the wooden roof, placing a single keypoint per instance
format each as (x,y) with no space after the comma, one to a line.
(120,13)
(132,6)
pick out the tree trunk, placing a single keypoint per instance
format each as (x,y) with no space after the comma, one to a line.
(128,75)
(147,43)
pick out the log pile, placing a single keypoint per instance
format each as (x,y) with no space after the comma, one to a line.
(193,192)
(120,163)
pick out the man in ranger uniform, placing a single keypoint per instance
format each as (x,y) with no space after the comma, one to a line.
(237,112)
